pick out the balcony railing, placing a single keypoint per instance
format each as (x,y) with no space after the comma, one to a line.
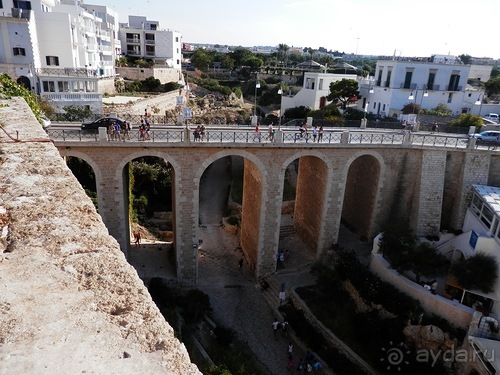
(68,72)
(72,97)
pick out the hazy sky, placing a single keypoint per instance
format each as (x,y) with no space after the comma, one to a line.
(375,27)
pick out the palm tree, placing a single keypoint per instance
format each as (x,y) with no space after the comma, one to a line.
(283,48)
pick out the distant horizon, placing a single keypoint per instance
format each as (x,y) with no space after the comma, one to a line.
(359,27)
(346,54)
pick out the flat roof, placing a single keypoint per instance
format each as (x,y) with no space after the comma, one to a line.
(491,195)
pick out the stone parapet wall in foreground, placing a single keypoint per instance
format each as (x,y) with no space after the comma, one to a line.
(69,301)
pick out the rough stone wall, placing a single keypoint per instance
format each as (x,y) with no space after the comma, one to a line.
(70,302)
(309,201)
(107,85)
(452,186)
(250,216)
(475,170)
(494,173)
(430,193)
(163,74)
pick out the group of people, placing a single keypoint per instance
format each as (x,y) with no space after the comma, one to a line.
(307,364)
(317,133)
(117,132)
(199,133)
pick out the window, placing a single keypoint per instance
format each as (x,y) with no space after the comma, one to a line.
(18,51)
(487,216)
(321,84)
(176,38)
(49,86)
(52,60)
(63,86)
(430,80)
(476,205)
(1,5)
(26,5)
(408,77)
(379,78)
(388,80)
(454,80)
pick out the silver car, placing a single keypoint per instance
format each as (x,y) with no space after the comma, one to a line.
(487,136)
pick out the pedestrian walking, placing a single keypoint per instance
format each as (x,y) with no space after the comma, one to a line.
(315,133)
(290,365)
(240,265)
(320,134)
(276,325)
(290,349)
(284,327)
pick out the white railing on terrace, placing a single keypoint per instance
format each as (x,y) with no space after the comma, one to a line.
(59,96)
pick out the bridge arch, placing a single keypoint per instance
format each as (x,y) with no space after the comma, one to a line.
(251,236)
(93,164)
(363,174)
(315,173)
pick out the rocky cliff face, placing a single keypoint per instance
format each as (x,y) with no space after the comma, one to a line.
(69,301)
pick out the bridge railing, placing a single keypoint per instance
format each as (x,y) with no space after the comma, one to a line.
(283,136)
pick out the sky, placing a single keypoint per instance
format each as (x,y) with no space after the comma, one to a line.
(366,27)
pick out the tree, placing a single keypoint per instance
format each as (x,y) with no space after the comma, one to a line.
(440,110)
(342,91)
(468,119)
(283,49)
(240,55)
(466,59)
(297,112)
(427,261)
(254,62)
(201,59)
(77,113)
(477,272)
(492,86)
(410,108)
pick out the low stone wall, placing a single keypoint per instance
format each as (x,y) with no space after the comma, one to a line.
(452,311)
(70,303)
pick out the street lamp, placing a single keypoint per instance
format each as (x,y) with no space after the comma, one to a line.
(280,92)
(257,86)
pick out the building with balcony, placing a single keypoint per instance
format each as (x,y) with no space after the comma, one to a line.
(142,38)
(63,50)
(425,82)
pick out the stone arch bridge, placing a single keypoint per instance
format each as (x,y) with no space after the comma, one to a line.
(365,184)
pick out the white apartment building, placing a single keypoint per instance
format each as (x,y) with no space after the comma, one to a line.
(315,89)
(63,50)
(426,82)
(142,38)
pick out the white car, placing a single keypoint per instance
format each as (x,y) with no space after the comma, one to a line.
(493,117)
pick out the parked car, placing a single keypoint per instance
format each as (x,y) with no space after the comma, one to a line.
(487,136)
(103,122)
(493,117)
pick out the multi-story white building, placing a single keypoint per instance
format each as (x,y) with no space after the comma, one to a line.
(142,38)
(425,82)
(63,50)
